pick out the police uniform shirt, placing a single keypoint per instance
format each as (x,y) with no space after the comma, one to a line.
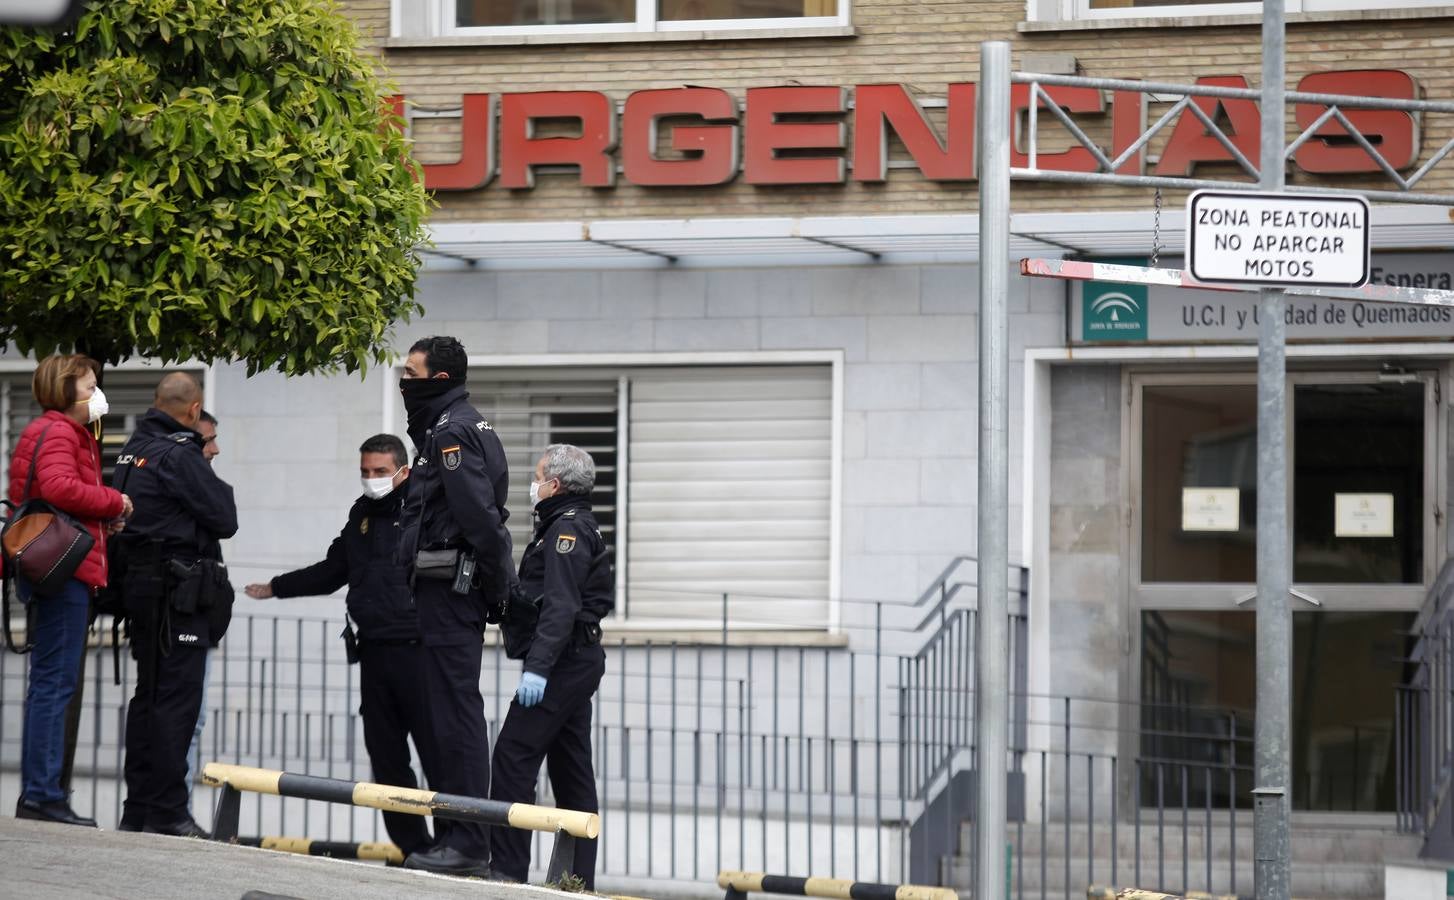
(178,498)
(457,491)
(557,566)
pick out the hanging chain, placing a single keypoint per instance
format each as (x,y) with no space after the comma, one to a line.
(1156,232)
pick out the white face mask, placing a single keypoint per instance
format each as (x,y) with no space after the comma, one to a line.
(96,406)
(378,488)
(534,494)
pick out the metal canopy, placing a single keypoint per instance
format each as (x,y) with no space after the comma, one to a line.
(846,240)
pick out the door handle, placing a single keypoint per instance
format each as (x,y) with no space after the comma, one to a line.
(1301,595)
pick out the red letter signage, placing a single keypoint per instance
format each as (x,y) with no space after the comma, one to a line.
(1191,143)
(1393,133)
(476,165)
(520,149)
(1128,122)
(877,107)
(709,151)
(766,135)
(1072,99)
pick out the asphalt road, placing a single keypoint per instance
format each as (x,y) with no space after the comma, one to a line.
(41,861)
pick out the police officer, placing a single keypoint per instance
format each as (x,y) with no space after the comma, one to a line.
(455,542)
(567,583)
(383,630)
(176,596)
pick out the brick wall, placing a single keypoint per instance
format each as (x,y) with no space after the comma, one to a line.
(922,44)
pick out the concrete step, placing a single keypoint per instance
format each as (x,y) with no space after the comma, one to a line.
(1326,881)
(1335,844)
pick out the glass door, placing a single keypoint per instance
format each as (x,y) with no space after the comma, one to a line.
(1363,497)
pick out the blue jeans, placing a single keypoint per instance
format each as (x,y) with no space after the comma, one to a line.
(60,639)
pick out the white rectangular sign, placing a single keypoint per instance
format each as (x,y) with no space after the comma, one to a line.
(1255,238)
(1363,515)
(1210,509)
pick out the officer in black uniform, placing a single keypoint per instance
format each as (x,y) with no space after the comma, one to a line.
(566,587)
(455,544)
(382,634)
(177,598)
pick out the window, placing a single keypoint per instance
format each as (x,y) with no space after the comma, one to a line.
(413,18)
(129,394)
(1062,10)
(529,414)
(712,481)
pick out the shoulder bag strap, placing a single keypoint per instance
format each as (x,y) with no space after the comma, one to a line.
(5,589)
(34,456)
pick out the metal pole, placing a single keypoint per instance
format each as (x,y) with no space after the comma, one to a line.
(1271,841)
(991,661)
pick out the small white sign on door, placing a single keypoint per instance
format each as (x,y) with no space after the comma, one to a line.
(1363,515)
(1210,509)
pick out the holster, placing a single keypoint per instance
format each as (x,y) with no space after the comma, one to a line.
(201,586)
(518,618)
(350,643)
(436,565)
(184,585)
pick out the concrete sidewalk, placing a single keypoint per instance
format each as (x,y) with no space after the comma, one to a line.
(40,861)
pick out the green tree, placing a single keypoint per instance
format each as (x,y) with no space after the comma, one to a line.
(203,179)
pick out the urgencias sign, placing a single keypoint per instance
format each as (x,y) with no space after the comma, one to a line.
(703,136)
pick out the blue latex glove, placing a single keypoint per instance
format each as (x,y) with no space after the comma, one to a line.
(532,688)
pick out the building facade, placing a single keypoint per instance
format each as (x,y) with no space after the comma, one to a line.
(730,247)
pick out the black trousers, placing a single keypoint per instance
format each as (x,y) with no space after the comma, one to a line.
(159,724)
(452,628)
(557,731)
(388,676)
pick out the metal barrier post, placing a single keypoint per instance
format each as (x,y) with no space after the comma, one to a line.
(229,808)
(562,857)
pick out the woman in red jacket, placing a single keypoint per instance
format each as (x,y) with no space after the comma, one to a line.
(68,476)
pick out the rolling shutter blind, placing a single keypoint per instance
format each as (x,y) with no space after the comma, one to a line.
(530,411)
(728,492)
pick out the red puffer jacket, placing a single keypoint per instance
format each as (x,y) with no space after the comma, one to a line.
(68,476)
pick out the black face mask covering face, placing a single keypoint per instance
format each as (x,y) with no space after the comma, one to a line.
(419,393)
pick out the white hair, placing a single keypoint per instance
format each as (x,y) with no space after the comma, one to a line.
(572,465)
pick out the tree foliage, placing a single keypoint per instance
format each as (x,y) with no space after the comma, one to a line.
(204,179)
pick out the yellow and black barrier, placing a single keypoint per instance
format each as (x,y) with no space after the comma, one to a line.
(739,884)
(568,825)
(363,850)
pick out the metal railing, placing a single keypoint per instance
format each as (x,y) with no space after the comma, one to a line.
(789,758)
(1424,716)
(777,757)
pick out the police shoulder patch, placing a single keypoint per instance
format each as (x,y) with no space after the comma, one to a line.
(443,417)
(450,456)
(565,543)
(482,425)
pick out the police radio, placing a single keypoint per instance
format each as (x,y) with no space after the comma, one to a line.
(464,574)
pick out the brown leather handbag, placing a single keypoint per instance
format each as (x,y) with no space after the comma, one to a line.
(41,543)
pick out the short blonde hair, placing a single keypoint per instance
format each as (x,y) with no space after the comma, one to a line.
(54,384)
